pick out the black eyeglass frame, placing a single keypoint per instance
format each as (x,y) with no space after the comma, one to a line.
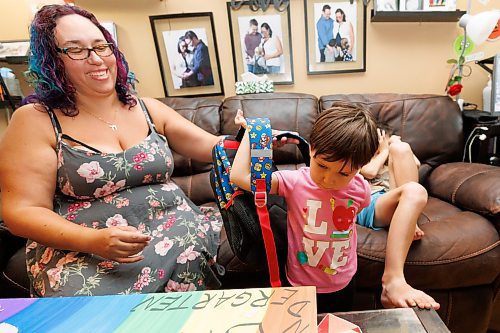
(65,50)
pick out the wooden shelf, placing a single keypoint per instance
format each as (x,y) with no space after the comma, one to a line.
(420,16)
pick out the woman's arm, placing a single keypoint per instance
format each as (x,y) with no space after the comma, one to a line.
(183,136)
(28,184)
(352,41)
(279,50)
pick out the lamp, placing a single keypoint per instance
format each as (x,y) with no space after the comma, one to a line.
(477,28)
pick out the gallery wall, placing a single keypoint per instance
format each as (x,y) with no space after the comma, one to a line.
(400,57)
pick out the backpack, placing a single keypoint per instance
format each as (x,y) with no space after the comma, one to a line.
(255,223)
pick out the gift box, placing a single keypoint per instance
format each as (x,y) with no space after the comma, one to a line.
(254,87)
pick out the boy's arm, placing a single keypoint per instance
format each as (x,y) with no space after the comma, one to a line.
(240,171)
(370,170)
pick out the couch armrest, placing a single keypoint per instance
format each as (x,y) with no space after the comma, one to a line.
(9,244)
(470,186)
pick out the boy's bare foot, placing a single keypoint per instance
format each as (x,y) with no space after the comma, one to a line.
(399,294)
(419,233)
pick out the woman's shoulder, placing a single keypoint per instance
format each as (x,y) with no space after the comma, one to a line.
(31,121)
(30,113)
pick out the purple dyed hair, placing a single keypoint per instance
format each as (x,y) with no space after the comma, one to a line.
(46,69)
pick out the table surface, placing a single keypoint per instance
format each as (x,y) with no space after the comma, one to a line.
(412,320)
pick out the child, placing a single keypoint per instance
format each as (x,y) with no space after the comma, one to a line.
(344,50)
(332,51)
(259,61)
(398,201)
(323,201)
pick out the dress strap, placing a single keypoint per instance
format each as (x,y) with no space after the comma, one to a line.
(148,116)
(55,123)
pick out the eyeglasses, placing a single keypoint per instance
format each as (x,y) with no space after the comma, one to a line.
(82,53)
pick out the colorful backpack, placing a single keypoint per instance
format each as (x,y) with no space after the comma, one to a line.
(255,222)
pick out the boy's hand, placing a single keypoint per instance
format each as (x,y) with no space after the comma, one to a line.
(383,141)
(240,120)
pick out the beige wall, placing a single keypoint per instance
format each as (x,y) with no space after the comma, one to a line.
(401,57)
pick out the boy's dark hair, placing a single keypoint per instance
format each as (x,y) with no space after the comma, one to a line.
(254,22)
(346,132)
(325,7)
(332,43)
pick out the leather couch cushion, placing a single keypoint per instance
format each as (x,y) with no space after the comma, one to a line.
(443,252)
(14,276)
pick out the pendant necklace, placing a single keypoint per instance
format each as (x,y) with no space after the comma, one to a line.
(113,127)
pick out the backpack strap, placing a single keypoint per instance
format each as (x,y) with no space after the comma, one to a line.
(261,153)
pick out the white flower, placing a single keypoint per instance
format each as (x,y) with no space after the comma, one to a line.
(188,254)
(116,221)
(170,186)
(90,171)
(163,246)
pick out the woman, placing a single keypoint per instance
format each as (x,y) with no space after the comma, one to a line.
(272,49)
(88,178)
(343,29)
(183,64)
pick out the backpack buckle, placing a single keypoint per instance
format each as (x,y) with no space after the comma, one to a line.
(260,199)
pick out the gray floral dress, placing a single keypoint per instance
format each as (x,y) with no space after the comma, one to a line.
(99,190)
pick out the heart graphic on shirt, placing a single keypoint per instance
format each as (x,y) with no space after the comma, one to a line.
(343,217)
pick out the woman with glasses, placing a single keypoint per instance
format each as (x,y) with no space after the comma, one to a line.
(86,173)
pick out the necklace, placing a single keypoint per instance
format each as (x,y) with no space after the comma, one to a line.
(113,127)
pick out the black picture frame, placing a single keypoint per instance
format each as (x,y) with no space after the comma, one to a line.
(353,29)
(279,22)
(167,29)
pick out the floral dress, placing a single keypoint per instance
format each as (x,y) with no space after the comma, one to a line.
(131,188)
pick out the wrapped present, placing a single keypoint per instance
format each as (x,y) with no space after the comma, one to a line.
(254,87)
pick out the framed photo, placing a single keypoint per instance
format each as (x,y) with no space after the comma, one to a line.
(411,5)
(111,27)
(386,5)
(335,36)
(261,43)
(14,49)
(187,54)
(440,5)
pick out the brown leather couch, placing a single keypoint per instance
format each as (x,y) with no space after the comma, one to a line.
(458,260)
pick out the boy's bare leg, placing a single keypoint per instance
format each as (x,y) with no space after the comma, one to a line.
(402,170)
(400,209)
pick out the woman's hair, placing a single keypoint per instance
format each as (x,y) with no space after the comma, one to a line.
(345,132)
(46,71)
(341,12)
(268,28)
(179,42)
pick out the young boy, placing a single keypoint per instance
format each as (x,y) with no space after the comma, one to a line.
(398,201)
(323,201)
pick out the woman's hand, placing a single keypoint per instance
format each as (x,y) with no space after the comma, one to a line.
(121,244)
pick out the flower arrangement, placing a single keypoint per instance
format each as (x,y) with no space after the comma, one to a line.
(463,46)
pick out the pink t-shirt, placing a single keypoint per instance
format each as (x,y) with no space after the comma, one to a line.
(321,229)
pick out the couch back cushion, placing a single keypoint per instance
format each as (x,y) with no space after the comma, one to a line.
(191,175)
(287,111)
(431,124)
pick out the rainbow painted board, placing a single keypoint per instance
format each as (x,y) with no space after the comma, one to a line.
(291,309)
